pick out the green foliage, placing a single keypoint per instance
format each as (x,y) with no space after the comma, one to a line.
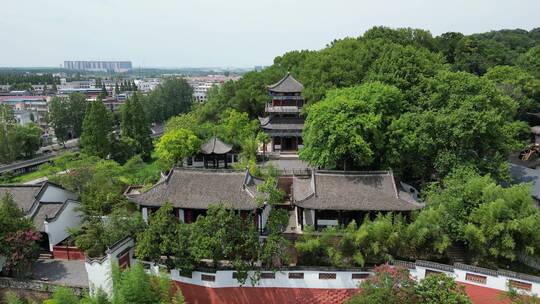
(160,238)
(16,141)
(440,289)
(135,286)
(134,125)
(348,129)
(476,55)
(461,119)
(494,223)
(390,285)
(394,285)
(171,98)
(530,61)
(100,297)
(518,84)
(97,126)
(18,237)
(63,295)
(67,115)
(175,145)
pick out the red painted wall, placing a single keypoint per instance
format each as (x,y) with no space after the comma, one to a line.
(196,294)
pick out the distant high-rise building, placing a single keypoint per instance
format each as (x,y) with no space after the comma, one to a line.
(99,66)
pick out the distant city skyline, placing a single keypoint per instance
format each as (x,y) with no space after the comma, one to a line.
(214,33)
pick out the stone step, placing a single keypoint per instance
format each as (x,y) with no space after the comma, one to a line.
(45,256)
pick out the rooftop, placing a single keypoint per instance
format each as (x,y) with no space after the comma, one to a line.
(200,188)
(286,85)
(215,146)
(341,190)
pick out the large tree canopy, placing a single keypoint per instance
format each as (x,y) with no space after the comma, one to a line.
(348,128)
(460,119)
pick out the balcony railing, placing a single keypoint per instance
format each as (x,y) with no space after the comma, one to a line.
(281,109)
(276,97)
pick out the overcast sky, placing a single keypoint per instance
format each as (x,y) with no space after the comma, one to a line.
(224,33)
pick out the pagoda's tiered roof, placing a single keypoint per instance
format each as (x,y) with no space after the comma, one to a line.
(286,85)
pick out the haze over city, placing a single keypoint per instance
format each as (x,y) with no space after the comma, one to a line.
(210,33)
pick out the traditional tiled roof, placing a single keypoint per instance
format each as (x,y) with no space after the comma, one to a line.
(339,190)
(44,212)
(215,146)
(28,198)
(281,123)
(23,195)
(286,85)
(200,188)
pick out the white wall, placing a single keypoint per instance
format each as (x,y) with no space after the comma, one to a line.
(99,272)
(57,229)
(311,280)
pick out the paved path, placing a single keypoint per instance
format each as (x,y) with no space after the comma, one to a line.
(70,273)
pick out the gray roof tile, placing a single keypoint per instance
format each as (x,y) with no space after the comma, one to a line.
(286,85)
(200,188)
(338,190)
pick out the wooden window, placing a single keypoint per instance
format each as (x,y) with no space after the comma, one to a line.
(476,278)
(327,276)
(207,277)
(360,276)
(296,275)
(520,285)
(268,275)
(430,272)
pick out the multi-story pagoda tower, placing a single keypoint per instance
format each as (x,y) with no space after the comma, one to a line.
(283,123)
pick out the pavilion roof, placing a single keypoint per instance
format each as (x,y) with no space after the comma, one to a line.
(286,85)
(281,123)
(215,146)
(342,190)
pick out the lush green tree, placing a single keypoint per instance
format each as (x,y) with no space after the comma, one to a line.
(160,237)
(461,119)
(59,117)
(402,36)
(172,97)
(476,55)
(95,138)
(24,141)
(491,222)
(518,84)
(348,129)
(135,286)
(440,289)
(178,144)
(405,67)
(235,127)
(76,109)
(134,125)
(447,44)
(18,237)
(530,61)
(103,94)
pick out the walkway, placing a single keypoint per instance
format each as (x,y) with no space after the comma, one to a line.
(69,273)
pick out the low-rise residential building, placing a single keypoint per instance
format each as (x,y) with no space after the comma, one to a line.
(51,208)
(27,107)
